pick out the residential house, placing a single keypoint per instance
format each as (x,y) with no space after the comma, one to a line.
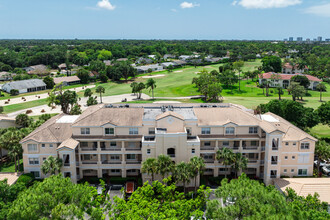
(107,62)
(184,57)
(180,62)
(153,67)
(167,56)
(122,59)
(165,65)
(6,76)
(289,69)
(152,57)
(283,80)
(36,69)
(24,86)
(114,140)
(68,80)
(143,60)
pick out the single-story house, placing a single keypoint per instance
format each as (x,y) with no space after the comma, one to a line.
(283,80)
(212,59)
(107,62)
(152,56)
(62,66)
(143,60)
(288,69)
(68,80)
(180,62)
(166,56)
(144,69)
(167,64)
(122,59)
(5,76)
(36,69)
(306,186)
(184,57)
(24,86)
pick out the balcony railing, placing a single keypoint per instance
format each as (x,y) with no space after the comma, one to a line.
(66,164)
(111,149)
(250,147)
(111,162)
(273,176)
(133,149)
(89,162)
(252,161)
(207,148)
(149,138)
(275,148)
(88,149)
(133,162)
(171,155)
(274,162)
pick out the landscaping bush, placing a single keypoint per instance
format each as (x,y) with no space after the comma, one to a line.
(27,179)
(14,92)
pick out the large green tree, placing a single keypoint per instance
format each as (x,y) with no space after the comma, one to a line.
(272,64)
(51,165)
(183,173)
(238,67)
(83,75)
(149,166)
(151,83)
(323,112)
(226,157)
(67,99)
(322,152)
(239,163)
(228,78)
(164,165)
(197,166)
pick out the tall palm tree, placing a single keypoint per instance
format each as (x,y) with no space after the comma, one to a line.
(321,88)
(227,157)
(240,162)
(183,172)
(51,165)
(164,165)
(151,83)
(100,89)
(14,152)
(197,165)
(150,166)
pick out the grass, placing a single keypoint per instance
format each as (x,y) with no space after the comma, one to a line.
(320,130)
(17,107)
(36,117)
(9,167)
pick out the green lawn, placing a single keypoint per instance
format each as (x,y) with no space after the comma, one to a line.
(16,107)
(322,131)
(9,167)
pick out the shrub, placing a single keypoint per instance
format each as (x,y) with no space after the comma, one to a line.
(14,92)
(27,179)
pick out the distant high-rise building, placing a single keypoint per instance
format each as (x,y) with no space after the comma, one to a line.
(319,39)
(327,40)
(299,39)
(290,38)
(285,39)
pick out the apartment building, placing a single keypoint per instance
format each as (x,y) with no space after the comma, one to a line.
(113,140)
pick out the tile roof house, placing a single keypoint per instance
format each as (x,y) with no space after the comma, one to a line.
(288,69)
(68,80)
(36,69)
(153,67)
(114,140)
(24,86)
(284,79)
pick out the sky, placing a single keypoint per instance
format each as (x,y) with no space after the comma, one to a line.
(164,19)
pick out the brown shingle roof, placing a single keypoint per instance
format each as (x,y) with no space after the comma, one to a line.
(58,80)
(99,116)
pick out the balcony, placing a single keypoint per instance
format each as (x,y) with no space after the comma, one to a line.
(252,161)
(263,148)
(111,162)
(262,162)
(89,162)
(207,148)
(88,148)
(274,162)
(149,138)
(133,149)
(275,148)
(111,149)
(273,176)
(66,164)
(250,147)
(171,155)
(133,162)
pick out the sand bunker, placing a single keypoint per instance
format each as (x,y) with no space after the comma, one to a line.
(154,76)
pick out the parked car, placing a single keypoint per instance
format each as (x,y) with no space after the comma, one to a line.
(326,170)
(322,164)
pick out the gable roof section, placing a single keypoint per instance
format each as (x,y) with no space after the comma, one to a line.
(66,79)
(69,143)
(169,113)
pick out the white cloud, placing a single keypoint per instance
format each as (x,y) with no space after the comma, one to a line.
(188,5)
(320,10)
(263,4)
(105,4)
(234,3)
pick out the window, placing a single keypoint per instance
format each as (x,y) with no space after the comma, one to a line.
(115,157)
(293,157)
(302,172)
(66,160)
(131,144)
(193,150)
(36,174)
(67,174)
(85,131)
(148,151)
(274,160)
(304,146)
(44,158)
(207,143)
(131,171)
(113,144)
(292,170)
(303,158)
(131,156)
(275,142)
(294,143)
(50,145)
(43,145)
(286,157)
(115,171)
(230,130)
(285,170)
(188,131)
(225,143)
(33,161)
(287,143)
(206,130)
(273,173)
(223,169)
(254,143)
(253,130)
(151,131)
(32,147)
(208,156)
(109,131)
(133,131)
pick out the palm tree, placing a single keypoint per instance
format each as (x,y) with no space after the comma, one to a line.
(164,165)
(197,165)
(100,89)
(227,157)
(239,163)
(14,152)
(151,83)
(150,166)
(51,165)
(322,151)
(183,172)
(321,88)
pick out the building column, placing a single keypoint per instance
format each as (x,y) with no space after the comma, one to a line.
(99,173)
(216,171)
(241,146)
(123,173)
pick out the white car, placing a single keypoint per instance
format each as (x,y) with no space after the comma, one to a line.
(326,170)
(322,164)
